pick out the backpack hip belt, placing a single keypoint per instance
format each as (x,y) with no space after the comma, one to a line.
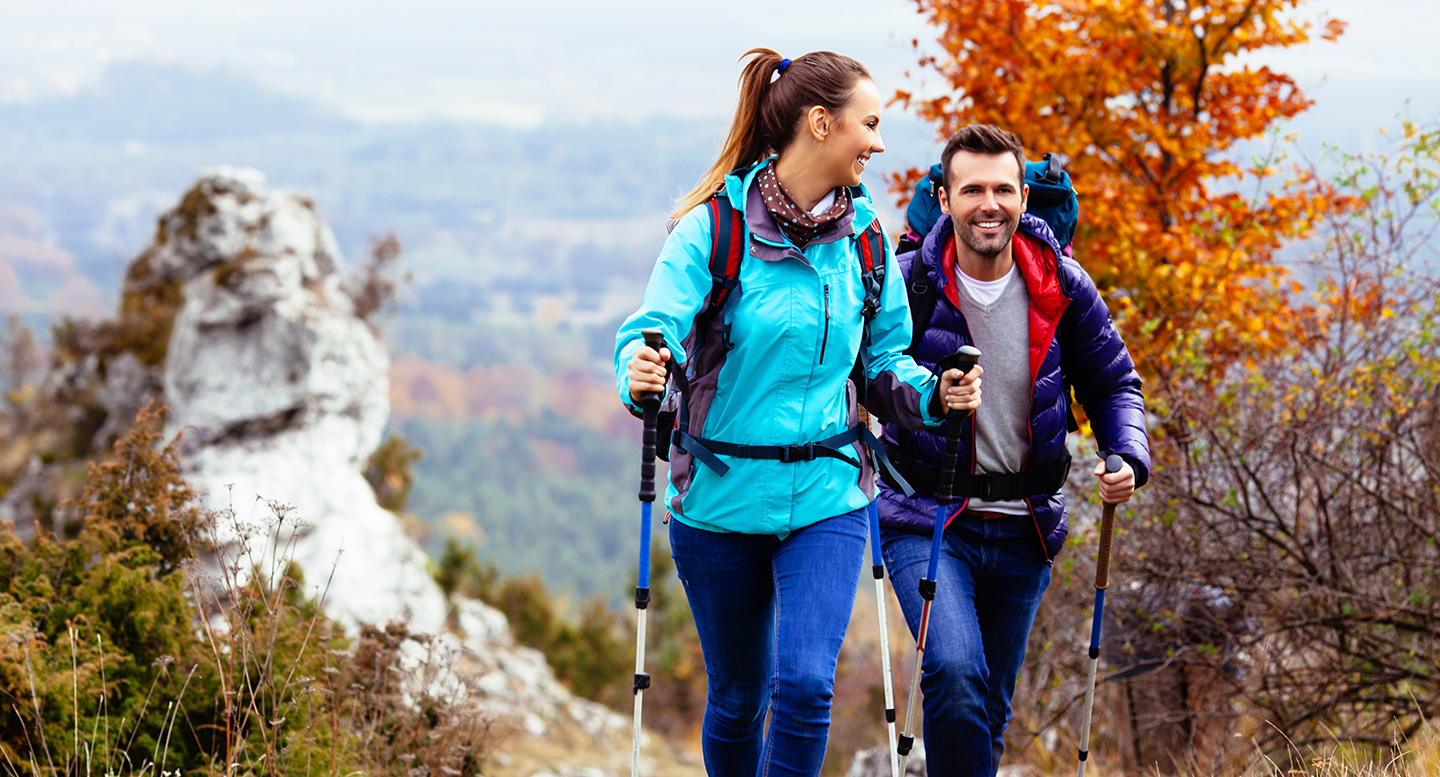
(708,452)
(987,488)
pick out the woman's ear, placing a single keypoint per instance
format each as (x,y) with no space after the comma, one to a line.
(818,121)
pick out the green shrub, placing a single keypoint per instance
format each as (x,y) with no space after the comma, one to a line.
(115,659)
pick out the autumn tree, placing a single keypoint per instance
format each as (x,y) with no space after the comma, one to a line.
(1146,102)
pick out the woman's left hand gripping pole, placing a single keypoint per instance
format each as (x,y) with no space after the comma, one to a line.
(650,405)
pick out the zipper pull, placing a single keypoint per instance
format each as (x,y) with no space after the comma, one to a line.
(826,338)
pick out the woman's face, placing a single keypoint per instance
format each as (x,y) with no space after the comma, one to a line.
(854,135)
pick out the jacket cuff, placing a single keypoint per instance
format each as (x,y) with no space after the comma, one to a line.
(932,412)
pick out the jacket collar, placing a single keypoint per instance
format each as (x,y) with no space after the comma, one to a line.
(744,196)
(1038,262)
(1036,255)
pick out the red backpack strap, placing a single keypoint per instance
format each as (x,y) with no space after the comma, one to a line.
(871,245)
(872,269)
(726,249)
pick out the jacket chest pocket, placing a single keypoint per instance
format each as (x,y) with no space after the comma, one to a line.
(839,318)
(764,317)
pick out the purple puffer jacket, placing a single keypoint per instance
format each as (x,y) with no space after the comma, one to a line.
(1065,308)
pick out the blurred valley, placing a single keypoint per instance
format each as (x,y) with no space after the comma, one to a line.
(524,249)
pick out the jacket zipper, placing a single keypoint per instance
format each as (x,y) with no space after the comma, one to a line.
(826,338)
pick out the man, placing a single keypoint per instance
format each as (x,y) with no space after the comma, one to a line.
(1003,285)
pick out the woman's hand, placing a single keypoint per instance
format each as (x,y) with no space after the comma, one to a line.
(961,391)
(647,372)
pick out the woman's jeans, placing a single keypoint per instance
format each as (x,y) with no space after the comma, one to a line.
(992,574)
(771,615)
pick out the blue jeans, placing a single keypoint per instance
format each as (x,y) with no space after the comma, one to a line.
(992,574)
(771,615)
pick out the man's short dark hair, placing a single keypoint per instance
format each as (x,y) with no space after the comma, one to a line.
(984,139)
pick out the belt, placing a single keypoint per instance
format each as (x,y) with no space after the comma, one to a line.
(987,488)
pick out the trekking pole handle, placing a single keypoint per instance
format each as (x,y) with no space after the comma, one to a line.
(1113,463)
(650,404)
(963,360)
(654,338)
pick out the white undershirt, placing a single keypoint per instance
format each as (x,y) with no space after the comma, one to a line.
(984,292)
(824,204)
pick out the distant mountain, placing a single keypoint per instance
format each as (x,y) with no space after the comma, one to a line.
(155,103)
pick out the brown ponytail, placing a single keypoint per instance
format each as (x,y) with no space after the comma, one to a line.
(771,106)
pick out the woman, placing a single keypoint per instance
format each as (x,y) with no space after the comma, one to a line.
(770,527)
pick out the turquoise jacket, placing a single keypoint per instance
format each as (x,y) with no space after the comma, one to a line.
(788,338)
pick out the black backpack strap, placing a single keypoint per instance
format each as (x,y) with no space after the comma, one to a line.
(920,293)
(1065,335)
(872,275)
(727,248)
(871,243)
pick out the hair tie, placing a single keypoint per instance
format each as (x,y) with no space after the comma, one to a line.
(784,63)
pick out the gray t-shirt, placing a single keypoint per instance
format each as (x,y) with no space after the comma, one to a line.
(1001,330)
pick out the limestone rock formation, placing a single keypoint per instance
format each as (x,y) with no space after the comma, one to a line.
(281,392)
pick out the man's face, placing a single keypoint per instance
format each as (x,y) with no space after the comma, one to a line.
(984,196)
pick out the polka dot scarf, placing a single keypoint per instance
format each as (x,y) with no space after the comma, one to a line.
(797,224)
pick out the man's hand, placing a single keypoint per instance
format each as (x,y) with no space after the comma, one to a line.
(647,372)
(1115,487)
(961,392)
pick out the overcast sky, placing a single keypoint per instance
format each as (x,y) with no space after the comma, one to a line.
(523,62)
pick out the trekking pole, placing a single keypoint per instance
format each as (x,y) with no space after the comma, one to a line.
(1113,463)
(650,405)
(963,360)
(877,568)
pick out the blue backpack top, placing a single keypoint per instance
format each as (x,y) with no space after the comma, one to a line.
(1052,198)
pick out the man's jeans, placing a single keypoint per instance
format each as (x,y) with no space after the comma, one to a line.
(991,577)
(771,616)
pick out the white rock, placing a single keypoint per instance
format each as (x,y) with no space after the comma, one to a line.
(875,762)
(283,394)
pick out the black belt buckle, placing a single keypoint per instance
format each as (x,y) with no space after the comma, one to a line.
(794,453)
(986,489)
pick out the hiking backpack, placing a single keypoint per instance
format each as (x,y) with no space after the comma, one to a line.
(727,249)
